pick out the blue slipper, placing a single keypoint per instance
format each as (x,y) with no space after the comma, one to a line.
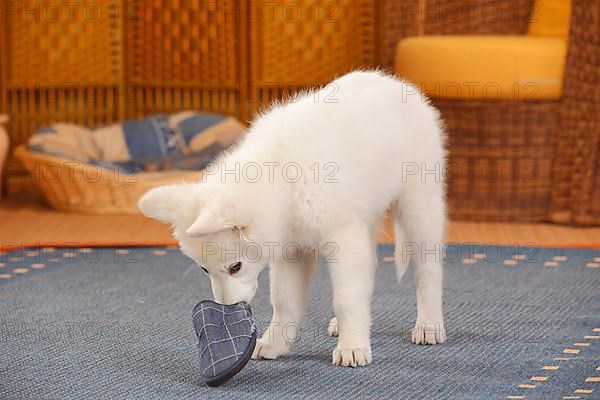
(226,339)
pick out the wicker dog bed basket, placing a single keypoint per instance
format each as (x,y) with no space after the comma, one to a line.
(86,188)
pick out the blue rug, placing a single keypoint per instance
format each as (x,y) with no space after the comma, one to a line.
(116,323)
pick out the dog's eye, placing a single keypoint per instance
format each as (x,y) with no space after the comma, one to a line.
(205,270)
(235,268)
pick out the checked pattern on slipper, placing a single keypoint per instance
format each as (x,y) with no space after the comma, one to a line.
(225,333)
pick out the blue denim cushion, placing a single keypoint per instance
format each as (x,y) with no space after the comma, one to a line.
(192,126)
(150,139)
(226,339)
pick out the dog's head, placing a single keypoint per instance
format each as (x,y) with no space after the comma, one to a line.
(211,231)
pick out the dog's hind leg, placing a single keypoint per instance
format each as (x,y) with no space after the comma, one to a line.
(421,214)
(401,256)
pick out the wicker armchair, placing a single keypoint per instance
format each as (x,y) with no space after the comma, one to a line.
(576,182)
(550,148)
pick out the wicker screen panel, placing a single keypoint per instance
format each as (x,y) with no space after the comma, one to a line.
(258,99)
(188,42)
(57,42)
(146,100)
(309,42)
(61,61)
(30,109)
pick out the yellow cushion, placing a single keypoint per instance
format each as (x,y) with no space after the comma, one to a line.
(484,67)
(551,18)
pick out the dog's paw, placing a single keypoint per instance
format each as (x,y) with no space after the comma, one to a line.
(428,333)
(351,357)
(332,329)
(269,350)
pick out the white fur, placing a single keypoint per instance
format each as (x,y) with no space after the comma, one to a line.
(366,134)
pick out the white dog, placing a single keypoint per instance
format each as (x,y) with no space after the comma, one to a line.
(316,175)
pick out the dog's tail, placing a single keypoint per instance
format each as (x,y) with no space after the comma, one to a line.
(400,257)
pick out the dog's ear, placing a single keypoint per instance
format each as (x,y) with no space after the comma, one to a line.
(211,220)
(215,217)
(167,203)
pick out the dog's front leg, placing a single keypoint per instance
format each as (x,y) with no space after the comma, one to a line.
(289,288)
(352,275)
